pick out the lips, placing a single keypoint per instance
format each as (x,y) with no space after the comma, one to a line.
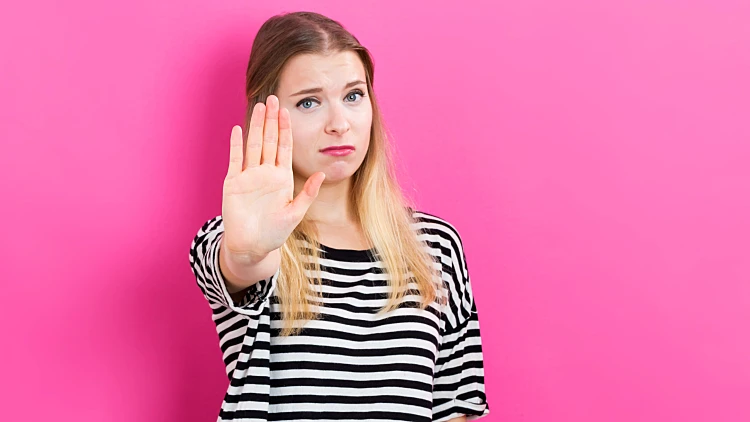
(339,148)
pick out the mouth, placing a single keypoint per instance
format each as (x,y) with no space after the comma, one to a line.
(338,150)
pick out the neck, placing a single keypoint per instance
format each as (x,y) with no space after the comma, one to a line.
(332,207)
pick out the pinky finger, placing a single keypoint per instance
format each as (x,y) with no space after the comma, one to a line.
(235,152)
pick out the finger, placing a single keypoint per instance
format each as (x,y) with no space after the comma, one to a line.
(271,130)
(284,155)
(255,136)
(309,192)
(235,152)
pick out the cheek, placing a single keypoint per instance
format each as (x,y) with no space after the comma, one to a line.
(304,132)
(362,119)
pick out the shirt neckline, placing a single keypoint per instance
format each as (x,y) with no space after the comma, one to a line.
(349,253)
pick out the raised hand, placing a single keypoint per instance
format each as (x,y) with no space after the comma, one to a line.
(258,206)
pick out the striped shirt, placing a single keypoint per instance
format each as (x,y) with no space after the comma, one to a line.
(350,364)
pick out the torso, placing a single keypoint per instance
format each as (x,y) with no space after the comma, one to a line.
(351,363)
(350,350)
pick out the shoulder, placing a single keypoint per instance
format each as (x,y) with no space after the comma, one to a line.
(437,226)
(440,231)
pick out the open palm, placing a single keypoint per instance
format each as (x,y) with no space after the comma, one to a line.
(259,209)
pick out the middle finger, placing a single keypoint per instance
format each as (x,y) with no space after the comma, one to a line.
(271,130)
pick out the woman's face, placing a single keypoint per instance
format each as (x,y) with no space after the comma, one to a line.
(329,105)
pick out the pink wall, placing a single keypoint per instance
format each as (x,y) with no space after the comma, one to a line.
(594,155)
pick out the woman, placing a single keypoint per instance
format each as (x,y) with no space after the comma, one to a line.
(332,297)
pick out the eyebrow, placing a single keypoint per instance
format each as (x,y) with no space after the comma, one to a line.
(315,90)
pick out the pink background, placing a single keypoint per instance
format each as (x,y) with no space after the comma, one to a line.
(595,157)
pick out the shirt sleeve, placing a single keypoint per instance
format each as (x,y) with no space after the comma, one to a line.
(204,261)
(458,387)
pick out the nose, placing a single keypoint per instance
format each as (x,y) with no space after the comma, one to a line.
(337,123)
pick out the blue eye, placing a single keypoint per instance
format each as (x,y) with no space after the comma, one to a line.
(306,103)
(309,103)
(353,95)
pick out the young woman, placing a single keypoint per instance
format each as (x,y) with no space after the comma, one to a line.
(333,298)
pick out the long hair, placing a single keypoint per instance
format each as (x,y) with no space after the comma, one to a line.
(383,212)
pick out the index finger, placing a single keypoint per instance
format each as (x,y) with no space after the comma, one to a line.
(284,153)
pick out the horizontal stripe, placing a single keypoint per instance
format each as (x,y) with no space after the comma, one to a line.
(351,363)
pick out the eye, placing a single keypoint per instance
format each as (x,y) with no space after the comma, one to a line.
(355,95)
(307,103)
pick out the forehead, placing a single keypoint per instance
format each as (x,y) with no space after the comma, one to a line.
(327,71)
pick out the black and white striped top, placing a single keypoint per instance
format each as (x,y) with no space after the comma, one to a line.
(349,365)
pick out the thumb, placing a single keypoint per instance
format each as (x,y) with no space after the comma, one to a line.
(307,196)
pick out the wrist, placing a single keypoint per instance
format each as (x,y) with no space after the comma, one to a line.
(239,259)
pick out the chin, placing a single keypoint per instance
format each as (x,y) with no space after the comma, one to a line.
(338,173)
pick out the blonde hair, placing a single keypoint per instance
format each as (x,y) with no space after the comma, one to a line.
(383,212)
